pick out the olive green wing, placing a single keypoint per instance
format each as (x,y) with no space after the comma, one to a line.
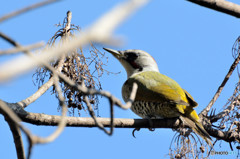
(156,87)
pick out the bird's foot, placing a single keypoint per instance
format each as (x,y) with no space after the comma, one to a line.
(150,122)
(151,128)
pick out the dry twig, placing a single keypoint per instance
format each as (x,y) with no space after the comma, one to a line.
(220,88)
(220,5)
(21,49)
(23,10)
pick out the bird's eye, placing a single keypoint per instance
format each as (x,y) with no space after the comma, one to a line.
(131,56)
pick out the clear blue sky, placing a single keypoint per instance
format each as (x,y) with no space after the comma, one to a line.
(191,44)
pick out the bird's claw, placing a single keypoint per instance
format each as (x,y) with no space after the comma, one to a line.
(151,129)
(134,131)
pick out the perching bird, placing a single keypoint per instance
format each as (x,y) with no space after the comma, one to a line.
(158,96)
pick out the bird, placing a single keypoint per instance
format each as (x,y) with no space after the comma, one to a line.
(158,96)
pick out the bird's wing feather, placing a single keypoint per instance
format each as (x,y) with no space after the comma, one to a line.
(157,87)
(192,102)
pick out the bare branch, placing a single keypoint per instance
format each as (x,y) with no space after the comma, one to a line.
(62,122)
(220,5)
(99,32)
(228,136)
(8,39)
(22,49)
(16,133)
(220,88)
(132,96)
(91,112)
(69,18)
(24,103)
(225,111)
(97,92)
(23,10)
(172,123)
(10,115)
(53,120)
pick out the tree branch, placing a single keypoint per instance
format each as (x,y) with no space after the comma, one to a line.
(62,120)
(172,123)
(21,49)
(225,112)
(228,136)
(53,120)
(11,115)
(17,137)
(220,5)
(24,103)
(23,10)
(220,88)
(8,39)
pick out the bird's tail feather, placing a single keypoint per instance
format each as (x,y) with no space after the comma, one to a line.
(197,128)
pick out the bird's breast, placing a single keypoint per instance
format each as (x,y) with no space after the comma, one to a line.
(154,110)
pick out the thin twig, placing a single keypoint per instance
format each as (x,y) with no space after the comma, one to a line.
(8,113)
(17,136)
(220,5)
(24,103)
(62,122)
(92,114)
(87,91)
(23,10)
(8,39)
(132,96)
(68,24)
(22,49)
(220,88)
(111,103)
(223,113)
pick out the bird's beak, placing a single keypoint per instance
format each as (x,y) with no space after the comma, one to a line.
(115,53)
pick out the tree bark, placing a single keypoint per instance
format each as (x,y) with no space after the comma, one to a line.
(220,5)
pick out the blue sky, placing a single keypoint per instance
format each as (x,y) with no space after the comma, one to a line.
(191,44)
